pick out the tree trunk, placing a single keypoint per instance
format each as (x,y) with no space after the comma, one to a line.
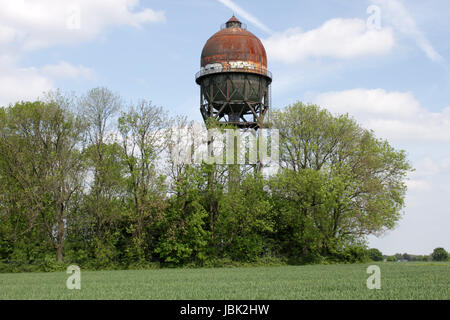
(61,230)
(59,252)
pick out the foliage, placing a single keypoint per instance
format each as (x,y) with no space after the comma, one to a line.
(375,254)
(41,165)
(91,182)
(391,259)
(184,238)
(439,254)
(246,221)
(338,183)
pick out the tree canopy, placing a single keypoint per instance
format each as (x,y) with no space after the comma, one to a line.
(89,181)
(439,254)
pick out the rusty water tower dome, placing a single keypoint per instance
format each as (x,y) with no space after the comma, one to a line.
(234,80)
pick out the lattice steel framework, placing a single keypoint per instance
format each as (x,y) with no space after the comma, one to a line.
(241,99)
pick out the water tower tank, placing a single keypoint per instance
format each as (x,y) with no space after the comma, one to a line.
(234,80)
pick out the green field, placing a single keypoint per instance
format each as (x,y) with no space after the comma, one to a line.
(398,281)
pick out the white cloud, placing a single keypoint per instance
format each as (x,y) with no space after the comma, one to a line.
(446,164)
(426,168)
(66,70)
(247,16)
(7,34)
(27,25)
(419,185)
(285,82)
(426,220)
(22,84)
(18,83)
(399,117)
(396,116)
(396,13)
(41,23)
(374,102)
(336,38)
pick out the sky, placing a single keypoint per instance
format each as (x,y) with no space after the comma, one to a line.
(385,62)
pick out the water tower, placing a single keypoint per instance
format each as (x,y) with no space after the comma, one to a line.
(234,80)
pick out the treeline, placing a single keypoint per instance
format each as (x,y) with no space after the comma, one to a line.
(88,181)
(438,254)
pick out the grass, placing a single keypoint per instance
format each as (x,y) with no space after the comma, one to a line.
(398,281)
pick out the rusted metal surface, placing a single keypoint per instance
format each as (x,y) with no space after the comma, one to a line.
(234,80)
(234,49)
(238,99)
(205,71)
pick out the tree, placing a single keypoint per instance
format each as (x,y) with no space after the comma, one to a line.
(143,137)
(439,254)
(102,206)
(339,183)
(105,196)
(391,259)
(184,237)
(245,221)
(94,226)
(40,157)
(302,201)
(375,254)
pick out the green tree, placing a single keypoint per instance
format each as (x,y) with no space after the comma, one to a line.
(439,254)
(391,259)
(102,205)
(94,230)
(338,183)
(302,201)
(105,196)
(40,156)
(245,221)
(184,238)
(143,138)
(375,254)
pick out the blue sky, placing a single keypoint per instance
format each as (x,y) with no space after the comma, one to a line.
(393,77)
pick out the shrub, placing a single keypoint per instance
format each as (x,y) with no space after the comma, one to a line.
(375,254)
(391,259)
(439,254)
(355,253)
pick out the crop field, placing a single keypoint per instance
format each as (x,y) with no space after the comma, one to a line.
(398,281)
